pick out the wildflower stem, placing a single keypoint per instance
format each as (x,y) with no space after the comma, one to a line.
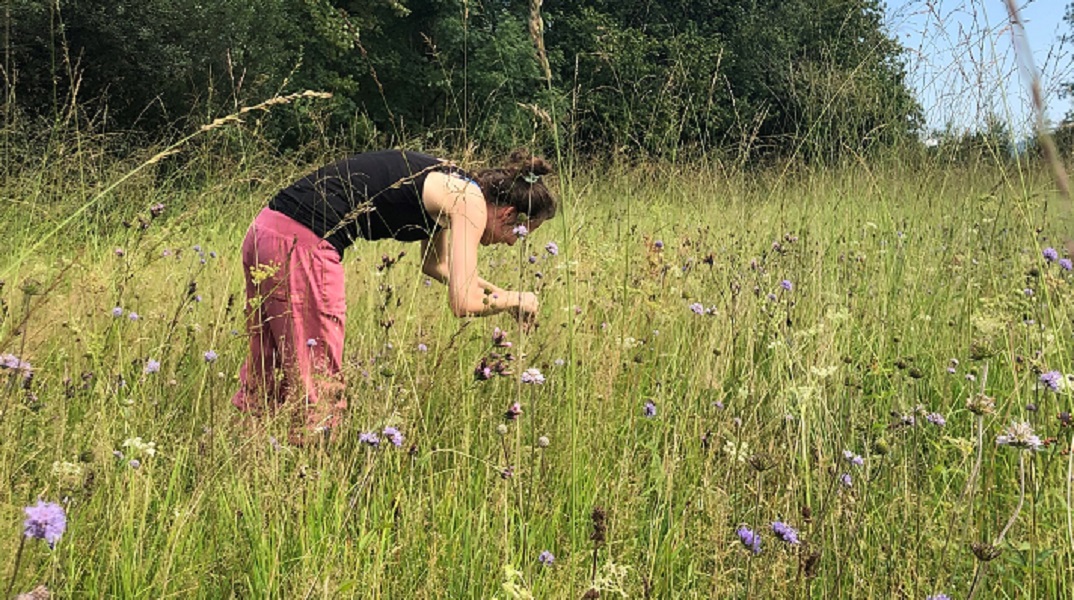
(1021,497)
(15,569)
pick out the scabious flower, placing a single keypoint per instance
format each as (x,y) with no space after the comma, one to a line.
(394,436)
(936,419)
(546,558)
(786,284)
(659,245)
(1050,254)
(649,410)
(151,366)
(1066,264)
(846,480)
(422,348)
(137,444)
(45,521)
(210,356)
(698,308)
(133,316)
(1020,435)
(785,532)
(749,539)
(1054,380)
(117,312)
(369,438)
(532,375)
(938,597)
(853,459)
(311,343)
(552,248)
(543,441)
(521,231)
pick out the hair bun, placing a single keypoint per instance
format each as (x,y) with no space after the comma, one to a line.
(525,163)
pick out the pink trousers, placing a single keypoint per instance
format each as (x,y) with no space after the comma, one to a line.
(295,312)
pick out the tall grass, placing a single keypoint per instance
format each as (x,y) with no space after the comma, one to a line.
(894,270)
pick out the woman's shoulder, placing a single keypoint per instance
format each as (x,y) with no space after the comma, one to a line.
(446,192)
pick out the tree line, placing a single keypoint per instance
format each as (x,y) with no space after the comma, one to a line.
(816,78)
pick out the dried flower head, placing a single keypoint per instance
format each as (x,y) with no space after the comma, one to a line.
(985,552)
(980,404)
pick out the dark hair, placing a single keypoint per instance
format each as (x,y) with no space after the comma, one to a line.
(519,184)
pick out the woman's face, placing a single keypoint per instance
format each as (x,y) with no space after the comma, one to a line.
(503,226)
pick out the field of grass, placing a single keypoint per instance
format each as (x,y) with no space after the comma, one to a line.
(717,352)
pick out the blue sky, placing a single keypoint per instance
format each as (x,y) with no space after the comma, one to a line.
(962,60)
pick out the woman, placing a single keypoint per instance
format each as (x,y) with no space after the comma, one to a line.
(292,258)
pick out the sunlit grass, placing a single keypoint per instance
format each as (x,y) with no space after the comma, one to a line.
(771,322)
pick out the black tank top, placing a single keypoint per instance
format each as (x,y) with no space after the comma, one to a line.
(375,195)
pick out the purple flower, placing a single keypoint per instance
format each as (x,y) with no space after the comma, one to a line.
(311,343)
(659,245)
(156,209)
(853,459)
(499,338)
(1066,264)
(785,532)
(369,438)
(394,436)
(197,248)
(513,412)
(936,419)
(210,356)
(552,248)
(698,308)
(135,463)
(1052,379)
(521,231)
(45,521)
(422,348)
(1028,291)
(532,376)
(120,252)
(846,480)
(532,259)
(133,316)
(117,312)
(151,366)
(786,284)
(749,539)
(1020,435)
(546,558)
(212,254)
(1050,254)
(938,597)
(649,410)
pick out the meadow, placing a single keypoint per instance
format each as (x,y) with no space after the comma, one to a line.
(791,382)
